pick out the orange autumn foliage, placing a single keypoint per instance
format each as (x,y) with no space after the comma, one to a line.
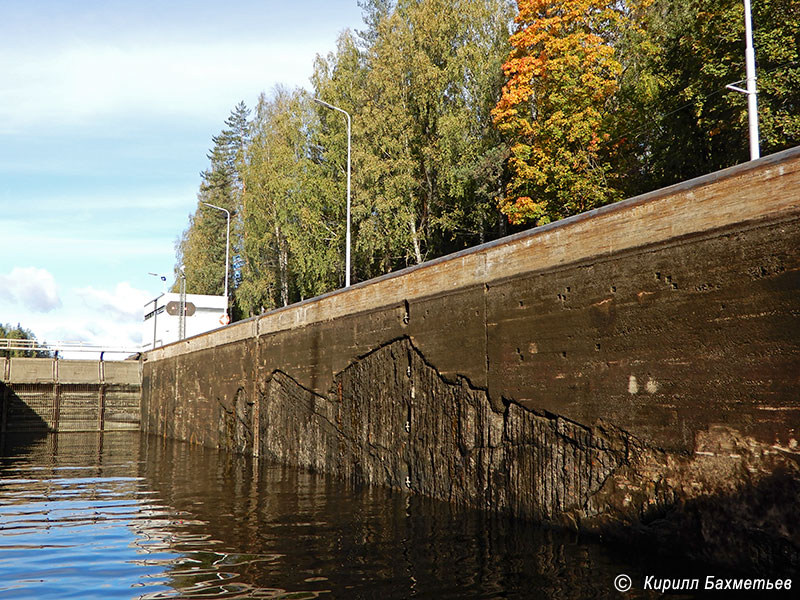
(562,75)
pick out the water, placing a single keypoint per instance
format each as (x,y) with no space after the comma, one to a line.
(133,516)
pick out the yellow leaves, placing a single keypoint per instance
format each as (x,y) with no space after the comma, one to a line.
(561,73)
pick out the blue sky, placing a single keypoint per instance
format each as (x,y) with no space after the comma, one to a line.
(107,109)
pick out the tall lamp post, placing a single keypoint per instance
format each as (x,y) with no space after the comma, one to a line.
(750,69)
(347,242)
(182,305)
(750,66)
(155,306)
(227,253)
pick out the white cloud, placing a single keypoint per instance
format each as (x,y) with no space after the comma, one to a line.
(98,330)
(93,330)
(125,303)
(109,317)
(34,288)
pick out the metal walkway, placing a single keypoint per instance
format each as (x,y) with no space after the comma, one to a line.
(63,346)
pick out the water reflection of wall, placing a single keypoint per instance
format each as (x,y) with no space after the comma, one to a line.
(288,529)
(101,454)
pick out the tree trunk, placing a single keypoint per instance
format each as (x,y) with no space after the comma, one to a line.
(283,265)
(415,240)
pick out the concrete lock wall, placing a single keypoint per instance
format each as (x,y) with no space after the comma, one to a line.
(632,371)
(69,395)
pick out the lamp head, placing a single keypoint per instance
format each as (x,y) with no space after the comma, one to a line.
(323,103)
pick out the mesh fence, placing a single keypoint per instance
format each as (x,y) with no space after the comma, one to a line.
(71,407)
(30,406)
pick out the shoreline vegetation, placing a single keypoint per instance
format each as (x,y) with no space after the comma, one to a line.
(473,119)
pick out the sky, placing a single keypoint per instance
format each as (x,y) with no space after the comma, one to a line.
(107,109)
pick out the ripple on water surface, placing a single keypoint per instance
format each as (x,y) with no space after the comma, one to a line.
(131,516)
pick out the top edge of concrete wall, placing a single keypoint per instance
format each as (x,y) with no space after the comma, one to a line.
(73,371)
(706,203)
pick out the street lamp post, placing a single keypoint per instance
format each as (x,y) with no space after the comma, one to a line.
(347,241)
(155,306)
(751,92)
(750,66)
(182,305)
(227,251)
(155,320)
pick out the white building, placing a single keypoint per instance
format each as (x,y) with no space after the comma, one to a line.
(162,317)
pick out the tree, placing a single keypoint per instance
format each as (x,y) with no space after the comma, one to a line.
(557,107)
(273,175)
(339,79)
(433,161)
(681,121)
(777,39)
(373,12)
(602,98)
(10,332)
(473,152)
(202,247)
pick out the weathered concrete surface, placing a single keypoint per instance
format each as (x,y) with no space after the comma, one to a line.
(632,371)
(69,395)
(391,419)
(29,370)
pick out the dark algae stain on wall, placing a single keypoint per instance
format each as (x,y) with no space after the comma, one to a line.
(631,372)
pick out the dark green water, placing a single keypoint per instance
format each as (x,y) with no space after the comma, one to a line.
(131,516)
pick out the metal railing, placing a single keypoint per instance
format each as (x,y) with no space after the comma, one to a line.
(62,346)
